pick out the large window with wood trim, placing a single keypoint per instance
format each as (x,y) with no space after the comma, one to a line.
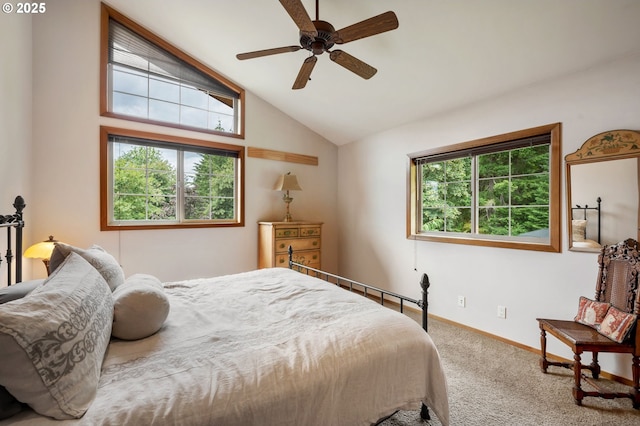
(158,181)
(502,191)
(144,78)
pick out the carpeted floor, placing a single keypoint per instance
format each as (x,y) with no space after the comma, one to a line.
(494,383)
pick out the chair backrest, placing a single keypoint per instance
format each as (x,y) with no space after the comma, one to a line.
(618,276)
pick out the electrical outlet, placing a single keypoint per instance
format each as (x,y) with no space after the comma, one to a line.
(461,301)
(502,312)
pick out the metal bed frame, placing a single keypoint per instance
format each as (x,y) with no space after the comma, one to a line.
(368,290)
(16,221)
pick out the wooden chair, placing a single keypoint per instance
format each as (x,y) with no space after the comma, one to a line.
(619,267)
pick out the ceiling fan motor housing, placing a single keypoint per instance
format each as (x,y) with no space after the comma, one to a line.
(322,42)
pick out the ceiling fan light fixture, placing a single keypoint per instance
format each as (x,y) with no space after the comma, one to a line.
(319,36)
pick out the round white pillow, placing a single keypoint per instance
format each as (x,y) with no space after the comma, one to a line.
(140,307)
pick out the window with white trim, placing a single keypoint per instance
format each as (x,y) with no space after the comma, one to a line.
(157,181)
(501,191)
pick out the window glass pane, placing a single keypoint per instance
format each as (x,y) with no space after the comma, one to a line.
(129,207)
(433,219)
(530,190)
(128,81)
(221,123)
(130,105)
(528,160)
(222,208)
(493,192)
(165,90)
(493,221)
(144,182)
(530,221)
(164,111)
(494,164)
(458,219)
(161,208)
(433,172)
(458,169)
(221,105)
(193,117)
(458,194)
(193,97)
(212,192)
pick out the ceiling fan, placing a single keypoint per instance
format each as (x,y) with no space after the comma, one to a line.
(319,36)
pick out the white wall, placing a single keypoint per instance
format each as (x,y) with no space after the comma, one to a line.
(15,121)
(372,206)
(66,137)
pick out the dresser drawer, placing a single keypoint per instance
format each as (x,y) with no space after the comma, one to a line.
(308,258)
(310,231)
(282,245)
(287,232)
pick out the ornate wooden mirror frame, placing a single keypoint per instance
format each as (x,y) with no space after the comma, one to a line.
(606,146)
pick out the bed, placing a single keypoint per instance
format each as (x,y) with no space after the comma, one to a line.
(271,346)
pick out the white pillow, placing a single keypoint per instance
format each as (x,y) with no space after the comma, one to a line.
(105,263)
(579,229)
(140,307)
(53,341)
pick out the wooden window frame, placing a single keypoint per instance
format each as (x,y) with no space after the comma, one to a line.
(108,13)
(105,167)
(555,170)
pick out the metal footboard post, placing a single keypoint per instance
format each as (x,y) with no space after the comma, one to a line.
(424,283)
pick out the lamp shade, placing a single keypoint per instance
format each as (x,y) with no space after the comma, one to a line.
(288,182)
(41,250)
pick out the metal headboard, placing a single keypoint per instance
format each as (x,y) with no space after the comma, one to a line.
(9,222)
(584,212)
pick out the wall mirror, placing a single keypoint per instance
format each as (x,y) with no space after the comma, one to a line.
(603,201)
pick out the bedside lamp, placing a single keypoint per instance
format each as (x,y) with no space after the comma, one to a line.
(42,250)
(288,183)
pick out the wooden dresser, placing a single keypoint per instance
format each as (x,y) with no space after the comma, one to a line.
(274,239)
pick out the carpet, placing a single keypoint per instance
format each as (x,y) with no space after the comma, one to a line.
(493,383)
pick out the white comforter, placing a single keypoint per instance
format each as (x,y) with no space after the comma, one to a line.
(267,347)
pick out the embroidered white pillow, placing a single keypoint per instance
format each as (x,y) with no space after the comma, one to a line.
(100,259)
(53,341)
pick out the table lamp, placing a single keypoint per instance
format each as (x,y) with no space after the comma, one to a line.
(288,183)
(42,250)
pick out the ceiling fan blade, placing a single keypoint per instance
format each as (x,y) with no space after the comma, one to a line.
(299,14)
(266,52)
(353,64)
(378,24)
(305,72)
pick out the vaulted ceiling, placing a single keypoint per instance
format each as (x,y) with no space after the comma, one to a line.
(445,54)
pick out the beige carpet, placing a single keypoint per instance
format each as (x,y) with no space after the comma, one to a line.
(494,383)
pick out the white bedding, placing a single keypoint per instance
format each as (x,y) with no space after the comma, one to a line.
(267,347)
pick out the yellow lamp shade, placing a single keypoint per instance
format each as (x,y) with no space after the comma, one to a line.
(41,250)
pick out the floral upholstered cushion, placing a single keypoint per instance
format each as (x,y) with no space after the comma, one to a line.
(591,312)
(617,325)
(53,341)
